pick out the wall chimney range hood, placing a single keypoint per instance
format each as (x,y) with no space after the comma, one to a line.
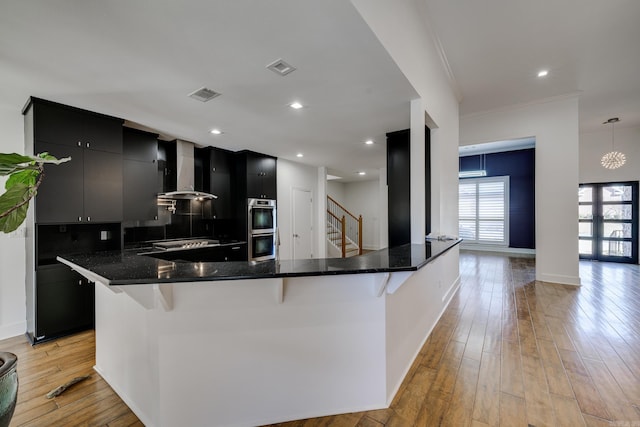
(187,195)
(185,169)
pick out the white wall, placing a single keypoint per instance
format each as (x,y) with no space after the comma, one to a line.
(336,190)
(292,175)
(12,247)
(404,32)
(362,198)
(594,145)
(554,124)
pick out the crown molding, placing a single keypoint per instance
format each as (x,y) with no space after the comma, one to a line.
(518,106)
(453,83)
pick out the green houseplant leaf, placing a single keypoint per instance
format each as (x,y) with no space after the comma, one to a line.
(25,173)
(12,202)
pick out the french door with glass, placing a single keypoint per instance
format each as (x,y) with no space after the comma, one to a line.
(608,221)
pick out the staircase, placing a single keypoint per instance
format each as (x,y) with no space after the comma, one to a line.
(344,230)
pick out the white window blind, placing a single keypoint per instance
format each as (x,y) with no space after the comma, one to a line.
(483,205)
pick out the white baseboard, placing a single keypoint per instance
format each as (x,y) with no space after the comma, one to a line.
(558,278)
(13,330)
(450,292)
(491,248)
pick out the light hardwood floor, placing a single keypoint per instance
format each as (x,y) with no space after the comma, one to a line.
(508,351)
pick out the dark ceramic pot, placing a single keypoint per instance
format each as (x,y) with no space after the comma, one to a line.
(8,387)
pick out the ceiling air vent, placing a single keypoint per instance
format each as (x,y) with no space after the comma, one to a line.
(280,67)
(204,94)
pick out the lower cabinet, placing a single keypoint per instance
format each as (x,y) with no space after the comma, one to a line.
(64,303)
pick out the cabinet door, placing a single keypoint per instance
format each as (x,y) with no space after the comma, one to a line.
(167,166)
(269,185)
(102,133)
(60,198)
(399,184)
(139,145)
(140,196)
(140,171)
(57,124)
(220,183)
(254,187)
(64,302)
(103,176)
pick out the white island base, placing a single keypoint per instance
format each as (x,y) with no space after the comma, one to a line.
(253,352)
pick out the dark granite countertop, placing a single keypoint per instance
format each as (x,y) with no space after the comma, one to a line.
(130,268)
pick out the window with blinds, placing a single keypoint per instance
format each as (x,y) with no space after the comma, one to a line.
(483,205)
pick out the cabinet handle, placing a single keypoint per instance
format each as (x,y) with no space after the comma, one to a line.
(88,144)
(80,282)
(79,143)
(79,219)
(88,218)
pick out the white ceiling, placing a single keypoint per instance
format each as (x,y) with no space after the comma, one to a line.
(139,59)
(496,47)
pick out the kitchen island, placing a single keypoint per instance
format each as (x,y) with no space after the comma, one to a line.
(238,344)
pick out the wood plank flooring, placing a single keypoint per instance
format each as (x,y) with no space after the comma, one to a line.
(508,351)
(46,366)
(511,351)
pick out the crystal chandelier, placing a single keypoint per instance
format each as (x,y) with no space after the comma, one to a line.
(613,159)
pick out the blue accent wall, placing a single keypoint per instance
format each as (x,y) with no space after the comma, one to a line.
(519,165)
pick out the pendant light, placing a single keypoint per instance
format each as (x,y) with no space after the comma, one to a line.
(613,159)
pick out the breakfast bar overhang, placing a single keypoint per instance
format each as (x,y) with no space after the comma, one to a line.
(239,344)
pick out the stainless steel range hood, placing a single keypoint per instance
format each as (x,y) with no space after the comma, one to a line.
(187,195)
(185,172)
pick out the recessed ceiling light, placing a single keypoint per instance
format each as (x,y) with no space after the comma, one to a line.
(362,173)
(216,131)
(295,105)
(369,142)
(299,155)
(543,73)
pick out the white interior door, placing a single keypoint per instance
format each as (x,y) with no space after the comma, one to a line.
(302,228)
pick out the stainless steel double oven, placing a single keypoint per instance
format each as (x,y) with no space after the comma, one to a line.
(262,226)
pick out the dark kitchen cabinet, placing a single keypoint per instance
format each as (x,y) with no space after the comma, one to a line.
(260,175)
(399,185)
(89,187)
(213,175)
(60,198)
(140,170)
(64,303)
(58,300)
(61,124)
(167,166)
